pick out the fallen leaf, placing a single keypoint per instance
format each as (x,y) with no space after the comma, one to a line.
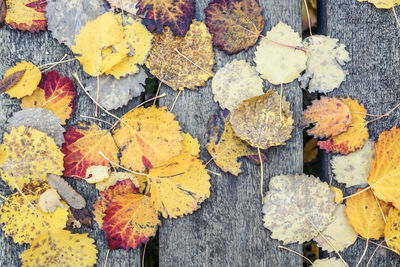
(60,248)
(179,186)
(392,231)
(27,83)
(125,5)
(73,198)
(55,93)
(11,80)
(382,3)
(190,145)
(356,135)
(353,169)
(82,147)
(42,157)
(39,119)
(83,216)
(310,151)
(118,176)
(26,15)
(258,120)
(49,201)
(139,137)
(97,174)
(235,25)
(325,58)
(175,70)
(235,82)
(2,13)
(277,63)
(177,15)
(338,194)
(329,115)
(328,262)
(365,215)
(296,207)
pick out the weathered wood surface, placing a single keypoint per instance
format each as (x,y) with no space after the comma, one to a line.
(373,40)
(228,229)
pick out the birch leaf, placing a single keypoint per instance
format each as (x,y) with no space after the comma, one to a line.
(26,15)
(27,83)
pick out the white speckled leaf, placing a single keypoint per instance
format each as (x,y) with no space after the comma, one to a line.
(66,17)
(339,233)
(325,58)
(295,205)
(328,262)
(353,169)
(235,82)
(125,5)
(39,119)
(115,93)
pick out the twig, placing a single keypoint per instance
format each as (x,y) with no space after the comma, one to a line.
(358,193)
(215,173)
(363,255)
(106,260)
(188,59)
(93,118)
(373,253)
(97,95)
(280,102)
(144,253)
(308,17)
(116,164)
(395,15)
(295,252)
(262,175)
(176,99)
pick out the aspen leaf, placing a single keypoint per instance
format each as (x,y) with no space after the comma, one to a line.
(148,137)
(385,172)
(261,122)
(356,135)
(60,248)
(125,5)
(276,63)
(329,116)
(120,176)
(159,13)
(175,70)
(27,83)
(365,216)
(26,15)
(11,80)
(83,143)
(295,206)
(338,194)
(50,200)
(382,3)
(235,82)
(73,198)
(55,93)
(42,157)
(328,262)
(392,231)
(235,25)
(190,145)
(179,186)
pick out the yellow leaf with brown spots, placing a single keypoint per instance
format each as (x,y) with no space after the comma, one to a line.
(392,229)
(190,145)
(28,82)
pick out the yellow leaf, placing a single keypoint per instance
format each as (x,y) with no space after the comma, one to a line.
(100,44)
(60,248)
(382,3)
(392,230)
(190,145)
(179,186)
(175,70)
(338,194)
(148,137)
(29,81)
(26,15)
(310,151)
(365,215)
(39,153)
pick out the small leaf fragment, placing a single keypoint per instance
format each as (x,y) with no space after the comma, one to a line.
(392,231)
(11,80)
(386,4)
(2,16)
(328,262)
(73,198)
(125,5)
(50,200)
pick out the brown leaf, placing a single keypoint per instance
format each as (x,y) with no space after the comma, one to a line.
(74,199)
(14,78)
(84,216)
(2,11)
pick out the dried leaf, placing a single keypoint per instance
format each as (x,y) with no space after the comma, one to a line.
(2,17)
(261,122)
(175,70)
(296,207)
(392,231)
(365,215)
(310,151)
(83,216)
(190,145)
(11,80)
(73,198)
(325,58)
(97,174)
(234,24)
(277,63)
(49,201)
(382,3)
(177,15)
(330,116)
(26,15)
(27,83)
(125,5)
(235,82)
(328,262)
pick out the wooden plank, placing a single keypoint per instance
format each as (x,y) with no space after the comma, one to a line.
(228,229)
(41,48)
(372,38)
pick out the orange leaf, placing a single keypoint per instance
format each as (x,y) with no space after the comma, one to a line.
(26,15)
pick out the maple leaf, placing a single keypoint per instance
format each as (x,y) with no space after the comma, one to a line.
(277,63)
(384,176)
(330,116)
(325,58)
(100,44)
(169,57)
(382,3)
(356,135)
(328,262)
(297,207)
(353,169)
(125,5)
(139,137)
(392,232)
(339,233)
(262,122)
(83,143)
(27,83)
(179,186)
(55,93)
(42,157)
(234,24)
(235,82)
(365,214)
(190,145)
(60,248)
(39,119)
(177,14)
(11,80)
(73,198)
(26,15)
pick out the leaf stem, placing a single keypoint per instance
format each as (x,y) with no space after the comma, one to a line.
(262,175)
(295,252)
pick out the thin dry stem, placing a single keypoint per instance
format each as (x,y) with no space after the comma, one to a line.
(122,167)
(358,193)
(215,173)
(106,260)
(97,95)
(380,207)
(395,16)
(188,59)
(373,253)
(295,252)
(176,99)
(262,175)
(97,119)
(308,16)
(280,102)
(158,91)
(144,253)
(363,255)
(52,63)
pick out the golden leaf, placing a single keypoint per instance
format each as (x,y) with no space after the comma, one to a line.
(392,230)
(28,82)
(190,145)
(26,15)
(382,3)
(338,194)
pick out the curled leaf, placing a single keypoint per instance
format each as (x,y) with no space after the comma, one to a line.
(11,80)
(73,198)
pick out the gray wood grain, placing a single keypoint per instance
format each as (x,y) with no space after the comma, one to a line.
(41,48)
(228,229)
(373,40)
